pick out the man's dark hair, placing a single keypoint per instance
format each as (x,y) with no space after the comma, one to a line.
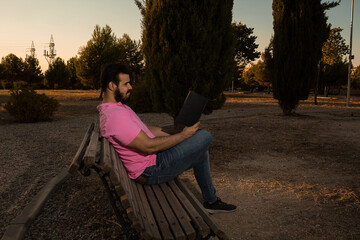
(110,73)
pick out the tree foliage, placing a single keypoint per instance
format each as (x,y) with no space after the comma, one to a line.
(245,49)
(100,49)
(249,76)
(260,73)
(335,48)
(245,46)
(57,76)
(333,76)
(74,80)
(355,78)
(131,55)
(32,72)
(300,29)
(188,45)
(12,70)
(105,47)
(333,68)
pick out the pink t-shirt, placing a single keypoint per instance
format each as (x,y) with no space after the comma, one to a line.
(120,125)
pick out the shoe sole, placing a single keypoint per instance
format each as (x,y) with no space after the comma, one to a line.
(219,211)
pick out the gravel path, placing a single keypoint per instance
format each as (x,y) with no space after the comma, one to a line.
(32,154)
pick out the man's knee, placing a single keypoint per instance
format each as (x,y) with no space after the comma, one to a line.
(205,136)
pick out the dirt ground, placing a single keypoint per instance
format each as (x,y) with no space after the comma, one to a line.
(292,177)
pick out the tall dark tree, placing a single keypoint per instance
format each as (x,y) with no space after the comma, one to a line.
(131,55)
(333,76)
(300,29)
(245,46)
(335,47)
(12,70)
(188,45)
(333,68)
(74,80)
(100,49)
(57,76)
(32,72)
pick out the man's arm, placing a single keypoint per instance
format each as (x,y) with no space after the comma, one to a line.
(157,131)
(148,145)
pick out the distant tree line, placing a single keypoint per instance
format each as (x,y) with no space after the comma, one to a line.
(80,72)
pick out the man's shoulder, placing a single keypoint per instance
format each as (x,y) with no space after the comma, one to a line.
(114,109)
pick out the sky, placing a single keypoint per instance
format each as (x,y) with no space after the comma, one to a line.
(71,22)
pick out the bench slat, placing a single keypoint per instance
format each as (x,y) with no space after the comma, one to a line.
(119,179)
(127,200)
(114,176)
(197,220)
(159,216)
(146,214)
(90,153)
(179,211)
(105,159)
(136,202)
(198,206)
(76,162)
(172,220)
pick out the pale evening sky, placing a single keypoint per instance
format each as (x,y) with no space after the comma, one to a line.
(72,22)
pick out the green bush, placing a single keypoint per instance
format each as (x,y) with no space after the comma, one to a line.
(26,105)
(20,84)
(5,84)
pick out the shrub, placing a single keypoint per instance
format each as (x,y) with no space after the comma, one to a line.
(26,105)
(20,84)
(5,84)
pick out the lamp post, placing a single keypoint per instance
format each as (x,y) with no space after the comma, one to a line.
(350,56)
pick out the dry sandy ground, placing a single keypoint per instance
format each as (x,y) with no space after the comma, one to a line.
(291,177)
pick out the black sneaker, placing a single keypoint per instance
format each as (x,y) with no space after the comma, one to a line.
(219,206)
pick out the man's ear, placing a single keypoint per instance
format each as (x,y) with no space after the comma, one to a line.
(112,86)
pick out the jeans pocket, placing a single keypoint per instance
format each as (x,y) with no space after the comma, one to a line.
(148,172)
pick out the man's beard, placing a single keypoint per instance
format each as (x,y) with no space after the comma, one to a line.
(119,97)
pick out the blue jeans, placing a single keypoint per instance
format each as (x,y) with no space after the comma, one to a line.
(191,153)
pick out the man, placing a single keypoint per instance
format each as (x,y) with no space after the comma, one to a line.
(150,155)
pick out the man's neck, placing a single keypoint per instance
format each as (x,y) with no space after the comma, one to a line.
(108,99)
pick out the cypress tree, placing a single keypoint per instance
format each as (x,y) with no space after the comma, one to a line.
(188,45)
(300,30)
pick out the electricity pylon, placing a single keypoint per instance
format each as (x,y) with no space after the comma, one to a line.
(50,55)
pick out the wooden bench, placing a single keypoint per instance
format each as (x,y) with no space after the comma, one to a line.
(164,211)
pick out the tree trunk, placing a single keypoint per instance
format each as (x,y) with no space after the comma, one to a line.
(288,107)
(317,84)
(326,91)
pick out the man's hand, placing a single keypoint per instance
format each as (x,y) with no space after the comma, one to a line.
(188,132)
